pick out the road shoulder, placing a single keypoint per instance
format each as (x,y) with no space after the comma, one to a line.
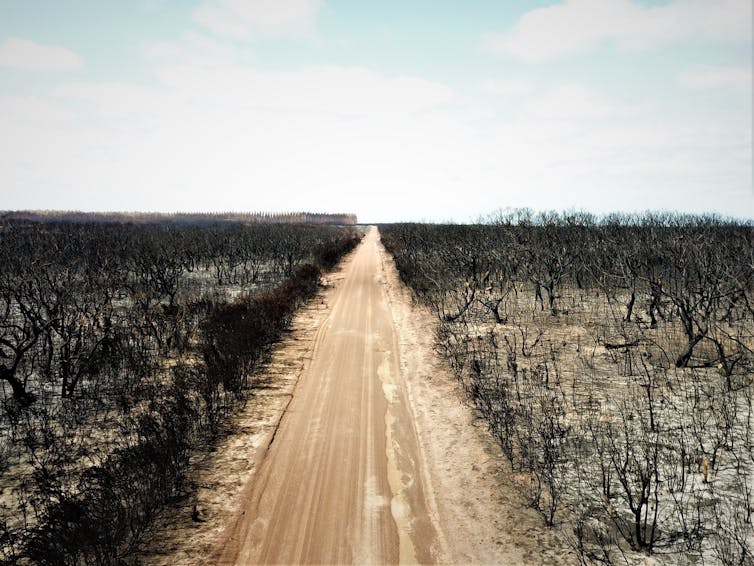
(482,520)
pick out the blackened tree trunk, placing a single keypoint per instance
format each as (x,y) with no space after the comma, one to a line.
(17,386)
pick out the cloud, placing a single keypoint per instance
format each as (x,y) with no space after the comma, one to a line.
(24,54)
(130,104)
(233,98)
(195,48)
(249,19)
(571,101)
(32,109)
(243,137)
(162,50)
(507,87)
(726,78)
(579,26)
(322,90)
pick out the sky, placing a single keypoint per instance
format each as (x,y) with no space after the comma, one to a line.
(424,110)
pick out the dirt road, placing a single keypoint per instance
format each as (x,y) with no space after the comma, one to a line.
(342,480)
(357,447)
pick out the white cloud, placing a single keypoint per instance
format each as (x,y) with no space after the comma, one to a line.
(195,48)
(727,78)
(161,50)
(323,90)
(344,138)
(18,53)
(248,138)
(571,101)
(130,103)
(507,87)
(32,109)
(247,19)
(578,26)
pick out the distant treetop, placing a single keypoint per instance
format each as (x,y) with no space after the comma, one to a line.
(181,217)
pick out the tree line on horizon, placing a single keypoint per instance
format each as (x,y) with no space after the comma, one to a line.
(189,218)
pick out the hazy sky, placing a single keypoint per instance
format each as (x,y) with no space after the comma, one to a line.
(393,109)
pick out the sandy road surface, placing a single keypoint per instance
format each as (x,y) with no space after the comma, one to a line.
(374,458)
(342,480)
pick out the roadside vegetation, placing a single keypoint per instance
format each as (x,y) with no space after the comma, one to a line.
(613,362)
(123,348)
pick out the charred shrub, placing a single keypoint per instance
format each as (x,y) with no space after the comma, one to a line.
(113,503)
(238,335)
(329,253)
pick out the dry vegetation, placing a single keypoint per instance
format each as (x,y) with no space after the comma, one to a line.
(124,347)
(612,360)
